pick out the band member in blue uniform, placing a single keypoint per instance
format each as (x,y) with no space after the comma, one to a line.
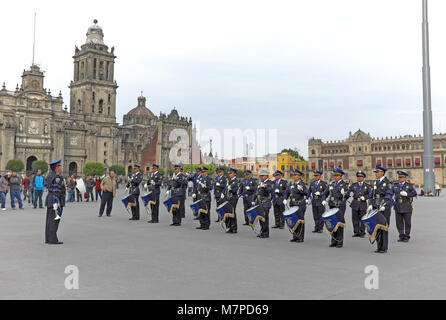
(263,199)
(204,187)
(219,187)
(154,184)
(183,193)
(195,179)
(279,192)
(247,191)
(178,194)
(317,192)
(381,198)
(54,202)
(360,191)
(403,193)
(297,192)
(133,187)
(231,195)
(337,197)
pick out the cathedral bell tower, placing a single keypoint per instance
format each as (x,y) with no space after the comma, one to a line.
(93,89)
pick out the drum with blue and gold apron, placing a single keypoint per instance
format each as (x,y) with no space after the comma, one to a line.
(332,224)
(374,221)
(198,208)
(291,218)
(225,211)
(254,215)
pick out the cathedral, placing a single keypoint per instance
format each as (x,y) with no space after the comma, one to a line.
(35,125)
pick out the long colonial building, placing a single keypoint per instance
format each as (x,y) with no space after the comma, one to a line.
(35,125)
(360,151)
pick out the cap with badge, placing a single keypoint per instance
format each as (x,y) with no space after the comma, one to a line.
(278,172)
(338,172)
(264,172)
(136,165)
(297,172)
(317,172)
(204,169)
(360,173)
(233,170)
(155,165)
(248,172)
(56,162)
(379,168)
(220,169)
(402,174)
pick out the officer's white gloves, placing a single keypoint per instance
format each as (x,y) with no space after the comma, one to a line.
(145,185)
(153,183)
(403,193)
(247,188)
(285,202)
(362,198)
(217,184)
(253,203)
(369,208)
(277,191)
(194,196)
(317,193)
(308,201)
(126,189)
(55,206)
(324,203)
(300,188)
(342,191)
(222,196)
(383,208)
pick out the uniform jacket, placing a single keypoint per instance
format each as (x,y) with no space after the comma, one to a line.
(279,191)
(157,180)
(318,186)
(297,197)
(357,192)
(204,187)
(178,185)
(232,188)
(219,186)
(381,193)
(334,194)
(403,204)
(134,183)
(56,188)
(248,189)
(264,194)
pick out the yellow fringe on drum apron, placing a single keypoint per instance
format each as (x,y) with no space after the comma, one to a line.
(378,227)
(227,215)
(339,224)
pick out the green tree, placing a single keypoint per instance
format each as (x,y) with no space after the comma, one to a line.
(294,152)
(93,169)
(162,171)
(40,164)
(15,165)
(119,170)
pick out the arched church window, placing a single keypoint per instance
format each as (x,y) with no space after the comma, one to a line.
(108,110)
(101,102)
(93,96)
(92,108)
(79,105)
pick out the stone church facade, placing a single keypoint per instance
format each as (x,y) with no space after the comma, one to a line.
(34,125)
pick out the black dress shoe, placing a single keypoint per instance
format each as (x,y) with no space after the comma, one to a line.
(199,228)
(405,240)
(246,224)
(150,221)
(100,215)
(355,235)
(315,231)
(400,240)
(229,231)
(299,241)
(319,231)
(339,246)
(131,219)
(58,242)
(293,240)
(172,224)
(332,245)
(362,235)
(275,227)
(205,228)
(263,236)
(108,215)
(217,220)
(281,227)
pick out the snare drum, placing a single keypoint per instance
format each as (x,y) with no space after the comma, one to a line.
(225,211)
(170,205)
(254,215)
(292,220)
(198,207)
(149,199)
(374,221)
(331,221)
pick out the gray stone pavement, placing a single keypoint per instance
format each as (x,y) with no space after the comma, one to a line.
(122,259)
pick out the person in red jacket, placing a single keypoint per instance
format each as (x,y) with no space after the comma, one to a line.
(98,188)
(25,181)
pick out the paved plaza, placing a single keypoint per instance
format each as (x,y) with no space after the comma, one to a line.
(122,259)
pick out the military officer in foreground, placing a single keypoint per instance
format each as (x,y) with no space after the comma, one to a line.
(231,195)
(297,193)
(280,187)
(337,196)
(361,193)
(263,199)
(204,187)
(247,191)
(133,188)
(381,198)
(403,193)
(54,202)
(154,184)
(317,192)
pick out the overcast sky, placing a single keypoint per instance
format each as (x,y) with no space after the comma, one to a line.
(308,68)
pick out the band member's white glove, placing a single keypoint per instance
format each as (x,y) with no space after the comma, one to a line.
(308,201)
(55,206)
(194,196)
(152,183)
(403,193)
(222,196)
(300,188)
(145,186)
(248,188)
(342,191)
(217,184)
(324,203)
(262,185)
(383,208)
(362,198)
(317,193)
(253,203)
(277,191)
(202,185)
(284,202)
(126,189)
(167,193)
(369,208)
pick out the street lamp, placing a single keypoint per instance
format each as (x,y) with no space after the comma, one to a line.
(428,156)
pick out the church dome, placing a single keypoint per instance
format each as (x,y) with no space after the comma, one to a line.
(140,114)
(95,34)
